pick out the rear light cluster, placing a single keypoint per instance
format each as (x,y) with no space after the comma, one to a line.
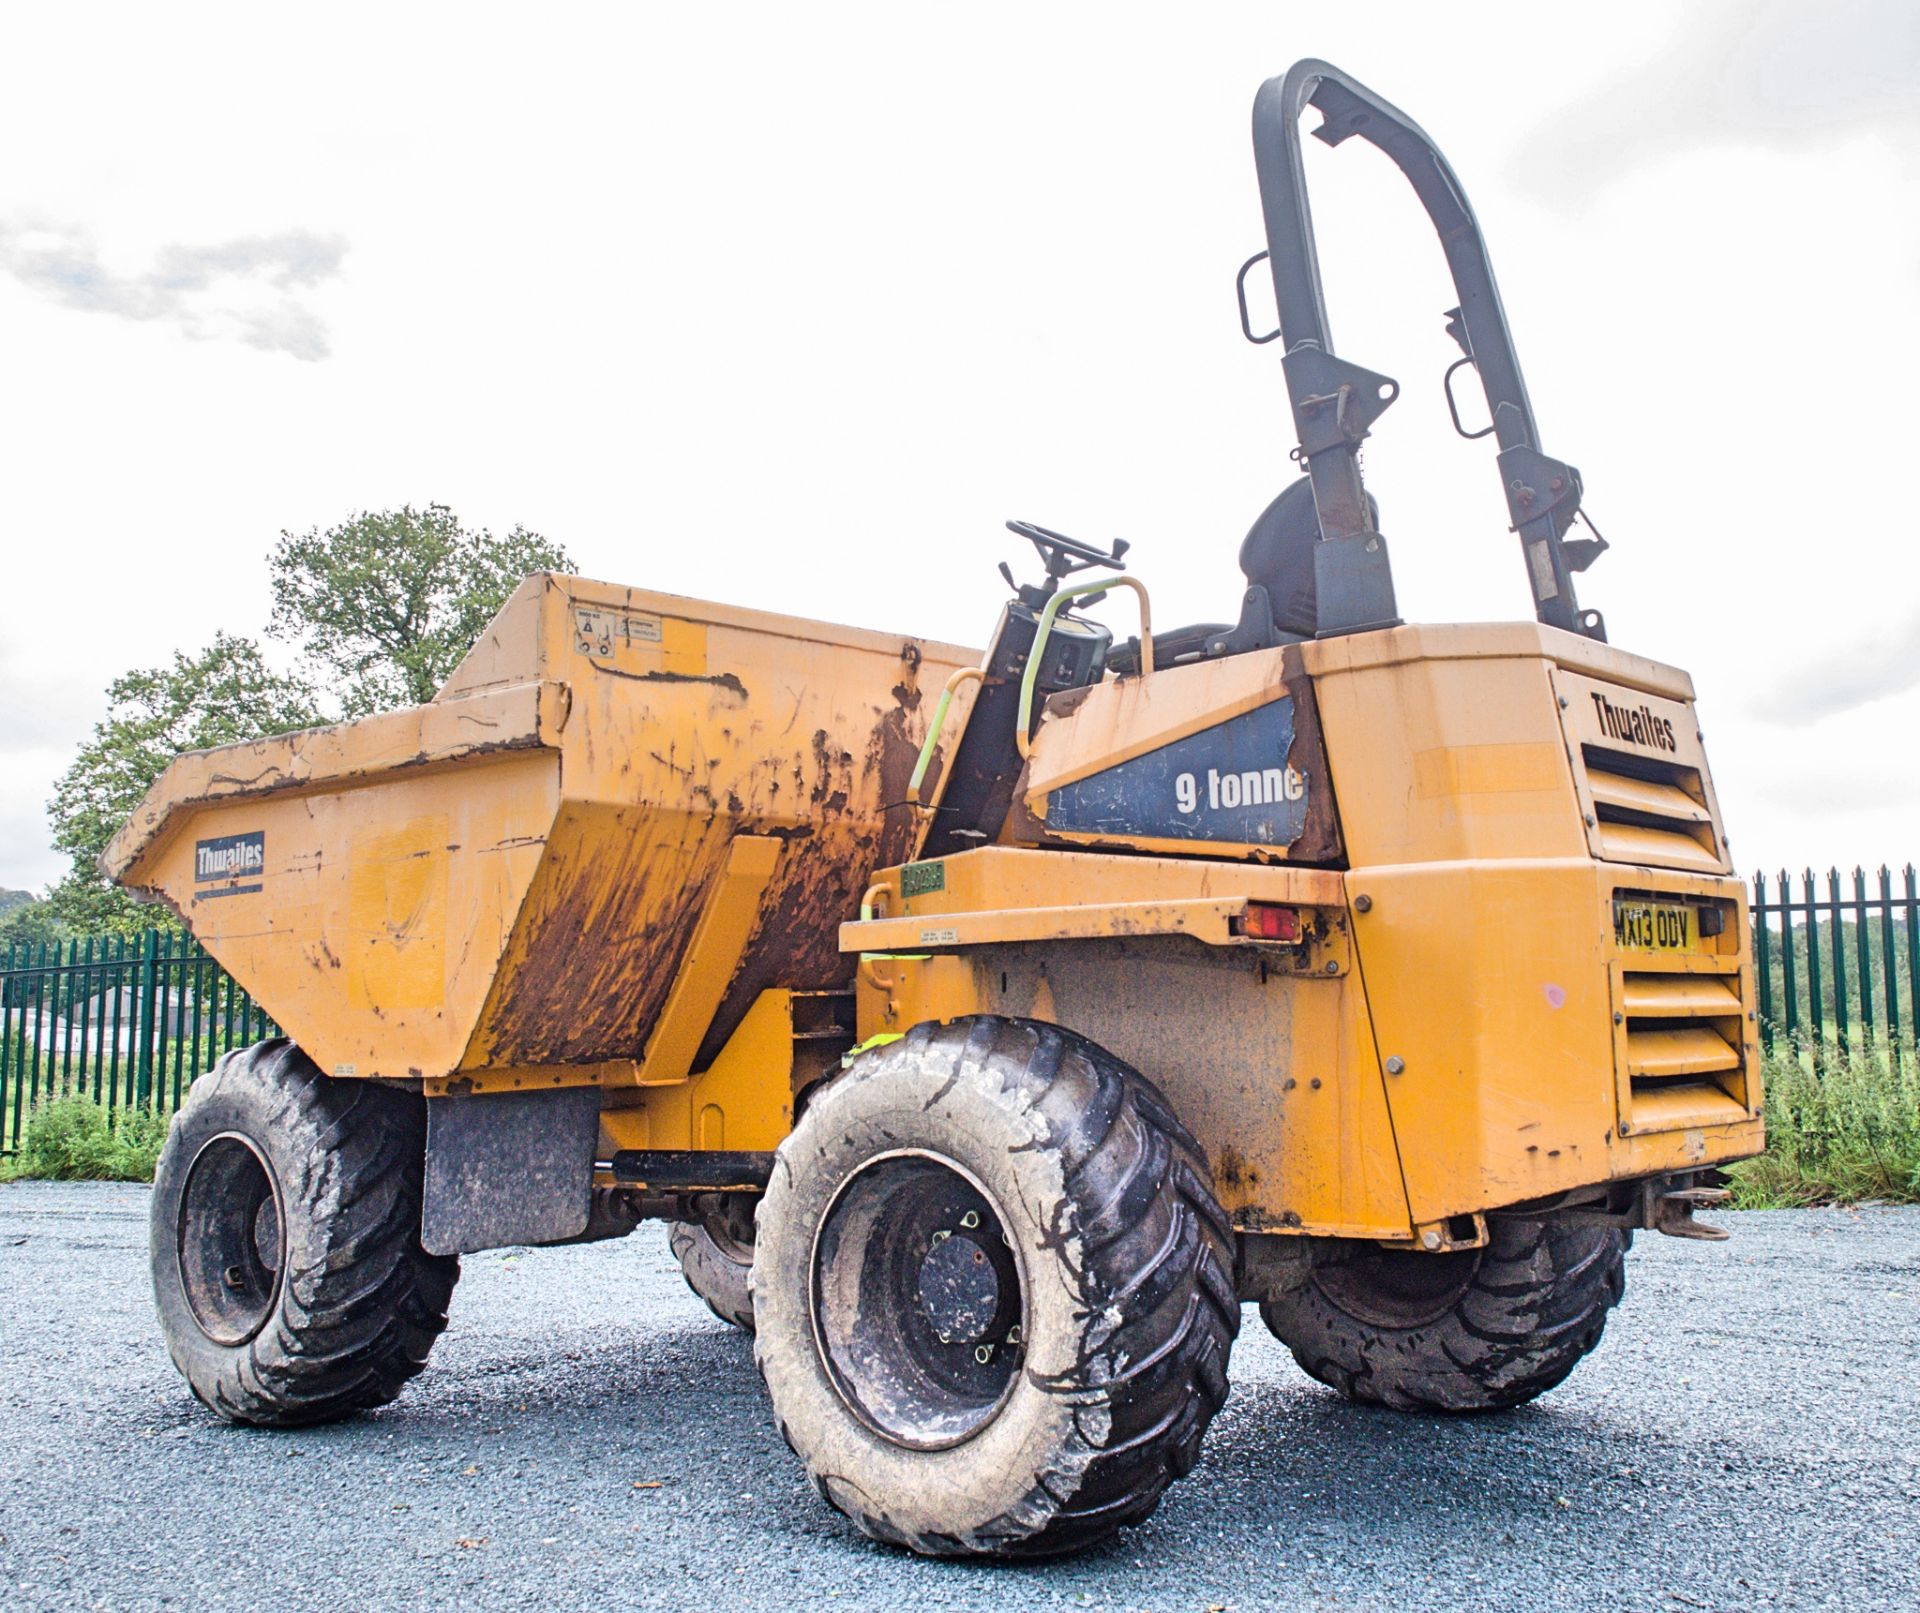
(1263,921)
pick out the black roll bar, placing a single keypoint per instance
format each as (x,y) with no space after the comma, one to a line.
(1336,402)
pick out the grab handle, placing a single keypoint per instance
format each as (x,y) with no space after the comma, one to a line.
(966,674)
(1098,586)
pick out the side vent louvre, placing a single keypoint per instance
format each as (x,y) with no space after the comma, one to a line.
(1683,1036)
(1651,812)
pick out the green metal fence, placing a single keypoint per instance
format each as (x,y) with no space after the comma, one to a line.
(128,1021)
(1838,963)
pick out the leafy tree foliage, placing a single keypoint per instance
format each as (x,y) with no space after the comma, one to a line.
(384,606)
(387,603)
(225,693)
(29,923)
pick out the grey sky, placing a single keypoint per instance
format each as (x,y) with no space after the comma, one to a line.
(1780,75)
(792,306)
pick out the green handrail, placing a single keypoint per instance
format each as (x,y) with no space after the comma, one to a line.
(1098,585)
(932,742)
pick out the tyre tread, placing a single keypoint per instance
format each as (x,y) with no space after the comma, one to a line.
(351,1328)
(1535,1307)
(1154,1244)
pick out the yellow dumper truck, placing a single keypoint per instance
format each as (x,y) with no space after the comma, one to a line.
(990,1026)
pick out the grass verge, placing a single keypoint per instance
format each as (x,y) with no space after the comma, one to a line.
(1848,1135)
(74,1139)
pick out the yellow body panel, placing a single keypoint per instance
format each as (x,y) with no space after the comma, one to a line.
(1492,1043)
(1264,1051)
(626,846)
(743,1100)
(625,817)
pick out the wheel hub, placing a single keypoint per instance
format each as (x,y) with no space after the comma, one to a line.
(959,1290)
(232,1240)
(917,1300)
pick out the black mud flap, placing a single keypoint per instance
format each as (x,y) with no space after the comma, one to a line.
(508,1168)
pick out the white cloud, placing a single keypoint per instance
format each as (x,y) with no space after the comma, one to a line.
(792,307)
(1784,75)
(1875,666)
(209,292)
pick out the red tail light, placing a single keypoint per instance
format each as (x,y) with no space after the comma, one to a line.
(1264,922)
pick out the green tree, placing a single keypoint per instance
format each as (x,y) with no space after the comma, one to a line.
(225,693)
(29,923)
(386,604)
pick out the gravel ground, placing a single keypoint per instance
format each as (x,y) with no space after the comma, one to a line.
(1748,1436)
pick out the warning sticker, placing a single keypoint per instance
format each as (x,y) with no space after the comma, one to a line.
(601,633)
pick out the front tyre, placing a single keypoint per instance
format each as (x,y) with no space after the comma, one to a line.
(993,1292)
(285,1241)
(1473,1330)
(716,1259)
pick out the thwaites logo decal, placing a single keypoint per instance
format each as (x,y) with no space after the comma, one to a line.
(1229,783)
(1636,725)
(230,865)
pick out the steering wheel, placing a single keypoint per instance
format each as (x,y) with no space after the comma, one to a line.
(1062,555)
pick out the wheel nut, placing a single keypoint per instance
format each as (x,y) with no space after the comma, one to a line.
(942,1235)
(1013,1334)
(984,1354)
(970,1219)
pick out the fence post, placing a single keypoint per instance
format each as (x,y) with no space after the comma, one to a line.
(196,1060)
(1816,1006)
(178,949)
(39,1019)
(226,1021)
(1763,977)
(1789,992)
(6,1039)
(1889,976)
(144,1017)
(59,1070)
(1863,957)
(1839,940)
(23,996)
(1913,951)
(119,978)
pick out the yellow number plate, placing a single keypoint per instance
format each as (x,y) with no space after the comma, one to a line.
(1655,926)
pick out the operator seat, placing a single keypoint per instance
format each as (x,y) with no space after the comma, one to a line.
(1281,603)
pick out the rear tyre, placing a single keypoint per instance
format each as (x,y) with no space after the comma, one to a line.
(993,1292)
(717,1263)
(285,1241)
(1477,1330)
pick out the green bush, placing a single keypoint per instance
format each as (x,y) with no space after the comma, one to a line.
(1847,1135)
(75,1139)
